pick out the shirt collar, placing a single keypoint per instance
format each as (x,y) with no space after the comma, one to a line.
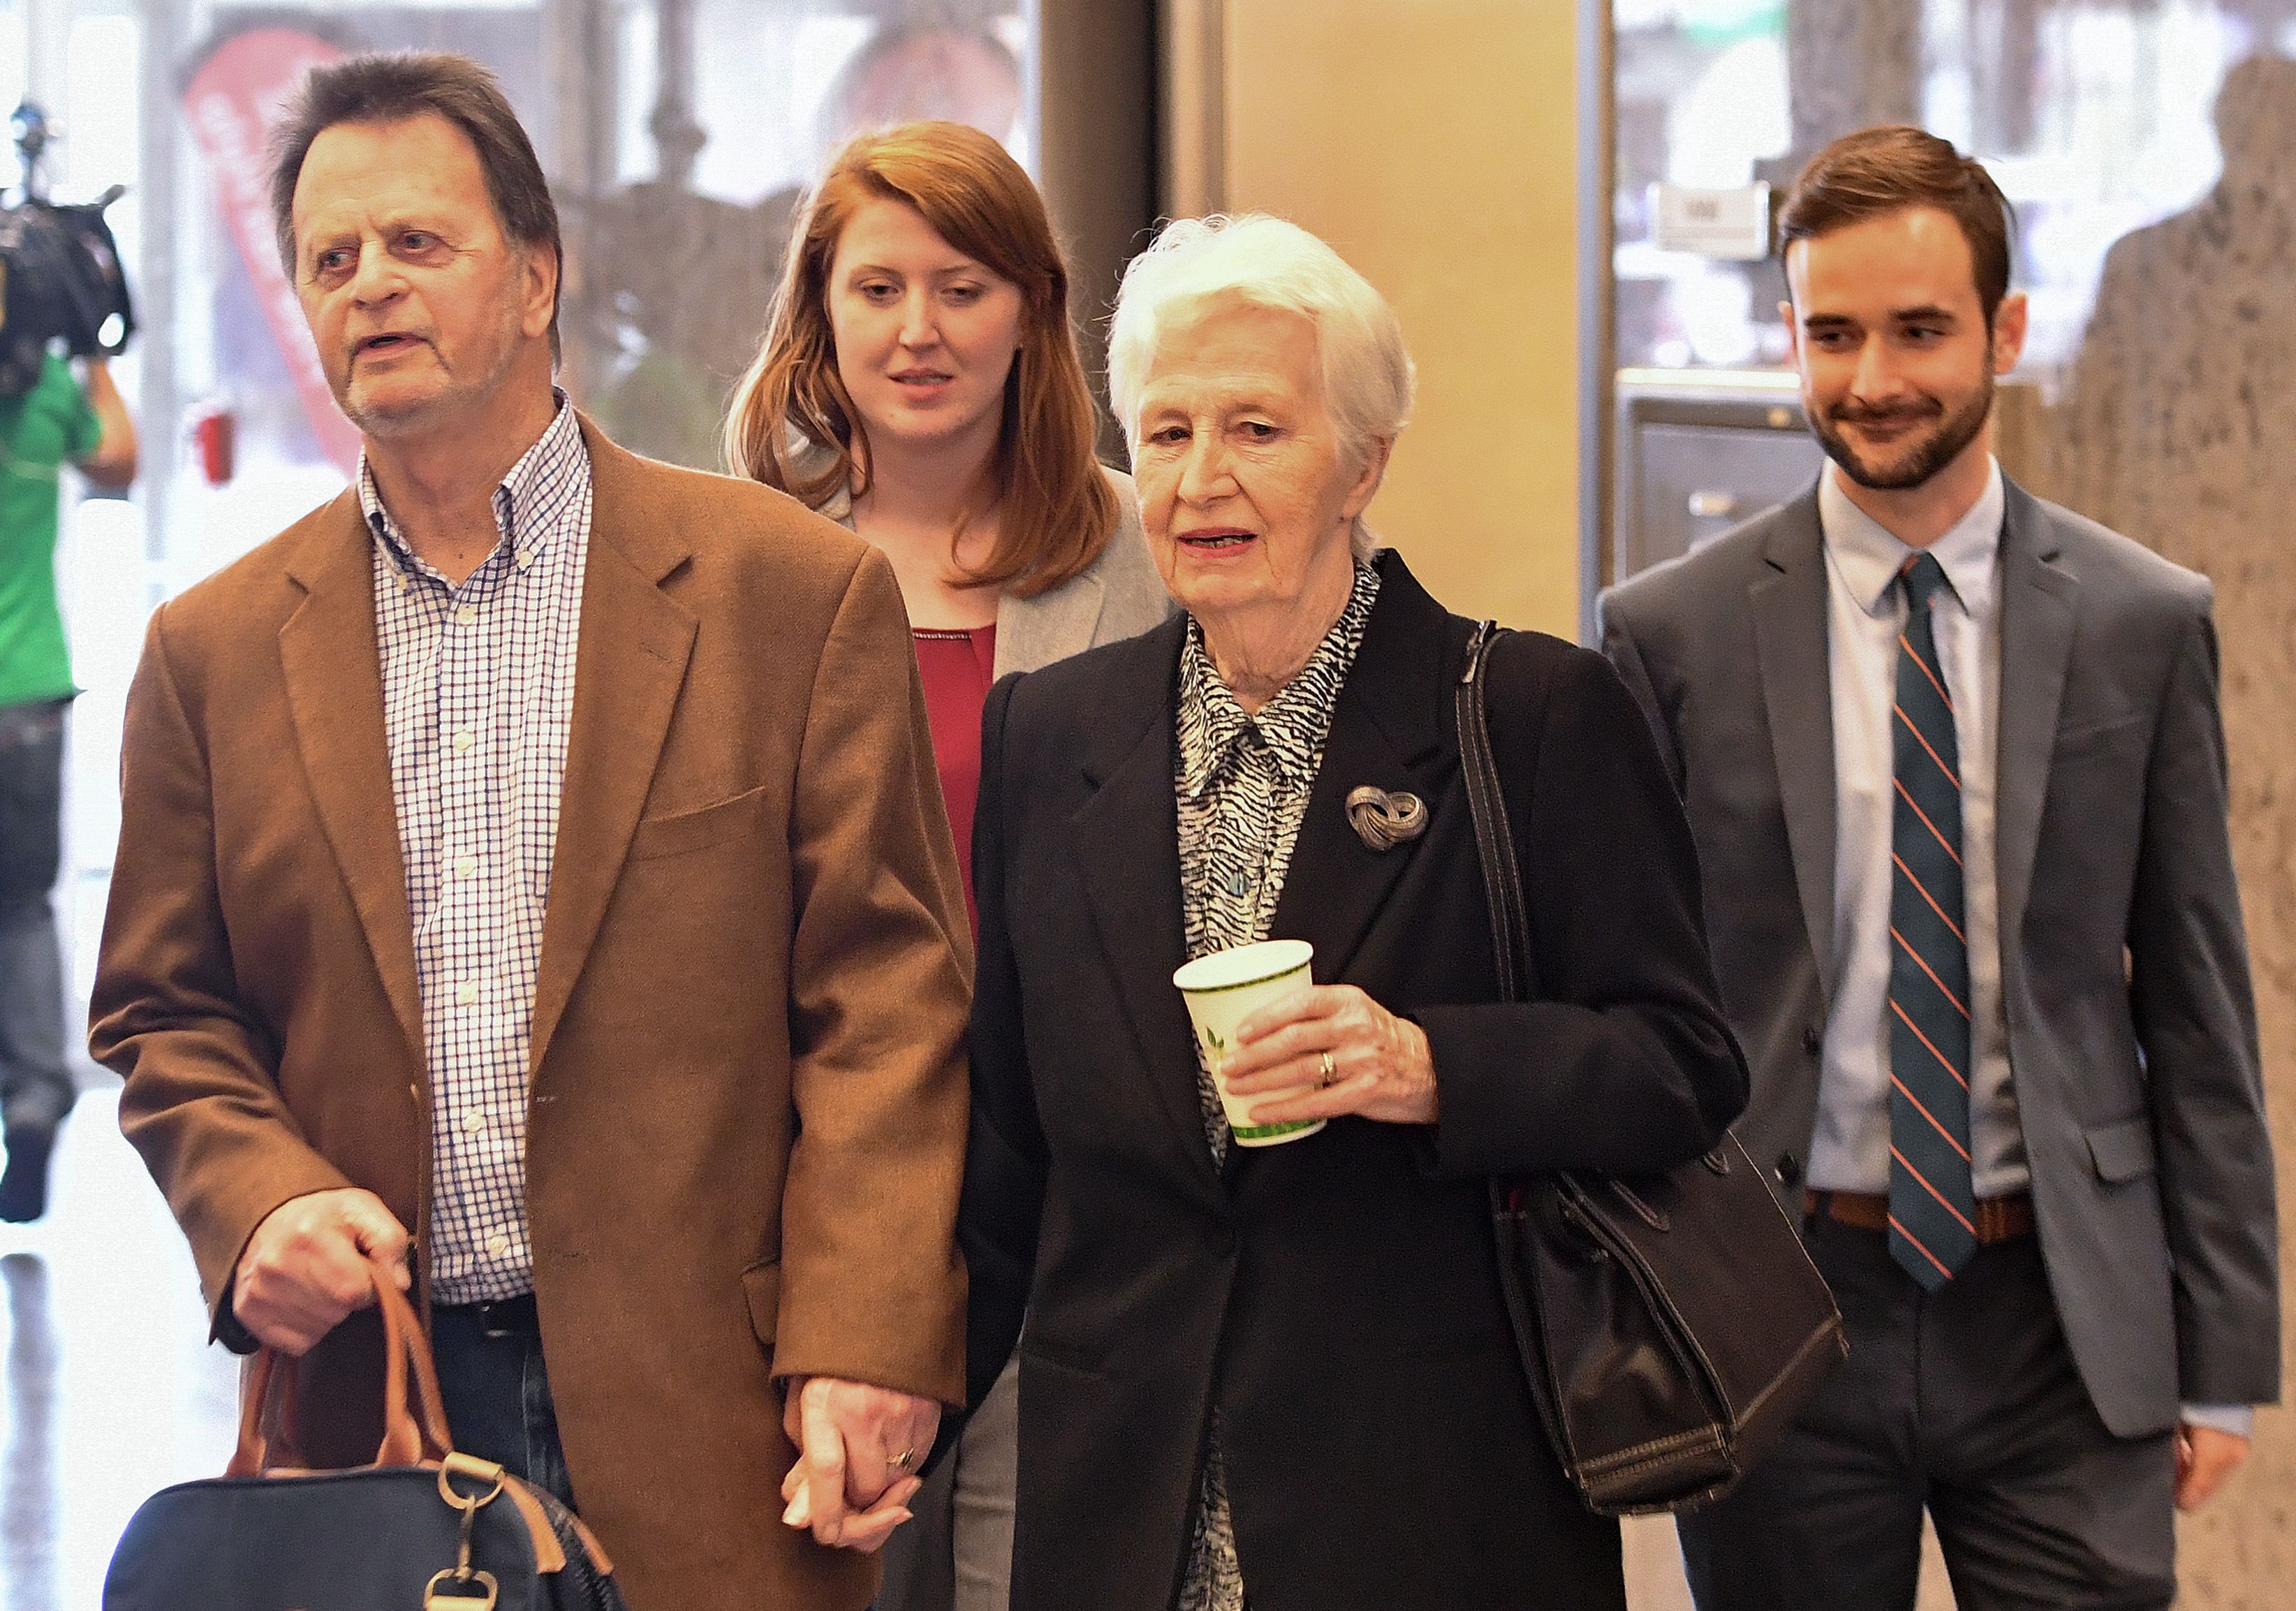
(1294,725)
(532,501)
(1868,556)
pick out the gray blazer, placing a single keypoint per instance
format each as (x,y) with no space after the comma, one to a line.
(2124,972)
(1121,595)
(1118,595)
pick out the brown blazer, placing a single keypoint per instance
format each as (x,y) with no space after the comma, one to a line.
(747,1098)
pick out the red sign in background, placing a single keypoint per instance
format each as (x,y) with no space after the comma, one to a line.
(229,104)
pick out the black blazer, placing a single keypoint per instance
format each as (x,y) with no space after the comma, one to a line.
(1335,1298)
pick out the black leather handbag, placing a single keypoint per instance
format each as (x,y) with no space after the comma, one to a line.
(1671,1326)
(423,1529)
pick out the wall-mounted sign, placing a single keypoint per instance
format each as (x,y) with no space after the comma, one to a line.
(230,103)
(1733,223)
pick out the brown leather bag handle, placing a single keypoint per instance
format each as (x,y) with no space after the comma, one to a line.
(408,1439)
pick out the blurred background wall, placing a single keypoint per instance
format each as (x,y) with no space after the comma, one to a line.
(1594,395)
(1432,144)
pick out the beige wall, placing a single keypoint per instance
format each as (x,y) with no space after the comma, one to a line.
(1431,142)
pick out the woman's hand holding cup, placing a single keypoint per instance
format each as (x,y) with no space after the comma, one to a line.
(1330,1050)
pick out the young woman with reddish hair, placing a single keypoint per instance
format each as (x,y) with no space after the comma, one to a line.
(919,382)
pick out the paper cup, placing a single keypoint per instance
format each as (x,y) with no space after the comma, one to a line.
(1225,988)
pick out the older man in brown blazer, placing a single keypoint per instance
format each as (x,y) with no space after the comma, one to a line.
(540,848)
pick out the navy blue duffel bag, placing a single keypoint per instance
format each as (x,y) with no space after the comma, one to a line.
(422,1527)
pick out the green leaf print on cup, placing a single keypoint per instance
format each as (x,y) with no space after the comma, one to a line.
(1224,988)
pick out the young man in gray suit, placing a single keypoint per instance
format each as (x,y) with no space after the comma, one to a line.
(1953,761)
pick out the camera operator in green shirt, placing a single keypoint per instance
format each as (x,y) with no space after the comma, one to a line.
(58,422)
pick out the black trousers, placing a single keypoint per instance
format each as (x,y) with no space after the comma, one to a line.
(35,1084)
(1965,1401)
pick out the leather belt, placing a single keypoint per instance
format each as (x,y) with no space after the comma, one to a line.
(495,1317)
(1996,1219)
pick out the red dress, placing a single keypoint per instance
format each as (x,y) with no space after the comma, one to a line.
(956,667)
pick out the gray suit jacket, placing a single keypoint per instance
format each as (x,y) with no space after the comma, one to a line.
(1121,595)
(1118,595)
(2132,1030)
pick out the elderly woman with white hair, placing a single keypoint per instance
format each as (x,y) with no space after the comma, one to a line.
(1282,1375)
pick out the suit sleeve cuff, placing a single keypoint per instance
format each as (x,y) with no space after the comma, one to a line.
(2238,1419)
(227,1329)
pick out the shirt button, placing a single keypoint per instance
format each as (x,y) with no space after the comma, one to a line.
(465,615)
(465,738)
(464,865)
(1789,1169)
(498,1246)
(467,992)
(526,559)
(474,1122)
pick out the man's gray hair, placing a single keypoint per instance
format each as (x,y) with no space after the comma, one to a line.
(1267,262)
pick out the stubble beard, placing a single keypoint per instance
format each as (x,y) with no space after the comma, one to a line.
(443,403)
(1923,458)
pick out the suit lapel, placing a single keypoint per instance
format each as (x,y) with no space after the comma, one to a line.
(1128,855)
(2039,603)
(1790,634)
(635,644)
(1032,632)
(327,651)
(1385,732)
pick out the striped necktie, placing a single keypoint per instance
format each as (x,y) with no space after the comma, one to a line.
(1932,1200)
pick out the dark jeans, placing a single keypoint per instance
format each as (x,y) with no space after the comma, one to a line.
(1964,1402)
(36,1086)
(498,1394)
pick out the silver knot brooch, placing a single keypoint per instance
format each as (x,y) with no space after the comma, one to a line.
(1382,821)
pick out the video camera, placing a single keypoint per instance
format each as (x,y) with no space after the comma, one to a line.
(59,272)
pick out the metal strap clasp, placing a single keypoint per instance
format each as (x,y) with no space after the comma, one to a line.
(463,1586)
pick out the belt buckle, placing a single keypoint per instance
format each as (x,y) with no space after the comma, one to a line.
(498,1319)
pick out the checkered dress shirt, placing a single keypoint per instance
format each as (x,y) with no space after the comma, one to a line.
(1244,784)
(477,695)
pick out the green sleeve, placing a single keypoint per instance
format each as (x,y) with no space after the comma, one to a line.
(83,431)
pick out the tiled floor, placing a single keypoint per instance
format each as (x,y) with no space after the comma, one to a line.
(110,1391)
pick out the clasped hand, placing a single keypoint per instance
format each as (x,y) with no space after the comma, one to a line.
(1379,1065)
(310,1263)
(858,1448)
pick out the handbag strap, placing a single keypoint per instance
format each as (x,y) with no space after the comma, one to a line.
(1510,917)
(409,1438)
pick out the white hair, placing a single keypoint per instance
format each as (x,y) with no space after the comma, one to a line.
(1267,262)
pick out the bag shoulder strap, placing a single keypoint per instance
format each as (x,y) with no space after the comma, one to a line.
(1510,915)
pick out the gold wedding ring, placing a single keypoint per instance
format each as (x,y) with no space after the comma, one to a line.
(1330,1073)
(900,1462)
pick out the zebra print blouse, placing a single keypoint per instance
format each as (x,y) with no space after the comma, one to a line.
(1243,785)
